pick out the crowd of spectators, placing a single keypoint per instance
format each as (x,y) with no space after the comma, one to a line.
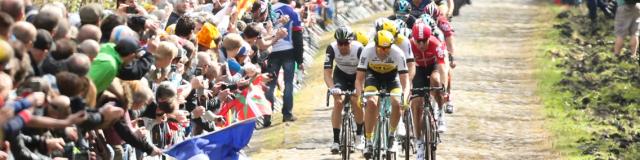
(130,81)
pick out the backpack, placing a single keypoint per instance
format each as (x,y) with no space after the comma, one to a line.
(631,2)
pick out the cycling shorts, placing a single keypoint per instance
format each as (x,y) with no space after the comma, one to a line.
(421,79)
(375,83)
(344,81)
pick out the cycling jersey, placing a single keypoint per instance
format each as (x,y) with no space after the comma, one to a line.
(417,10)
(445,26)
(346,63)
(389,67)
(433,54)
(410,20)
(403,43)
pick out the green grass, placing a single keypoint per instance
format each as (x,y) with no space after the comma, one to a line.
(566,124)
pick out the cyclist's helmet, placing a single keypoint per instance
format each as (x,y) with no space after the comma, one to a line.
(421,31)
(428,20)
(386,24)
(400,24)
(343,33)
(384,38)
(438,34)
(361,37)
(432,10)
(406,32)
(402,7)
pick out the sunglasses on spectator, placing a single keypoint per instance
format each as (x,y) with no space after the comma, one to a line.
(159,114)
(423,41)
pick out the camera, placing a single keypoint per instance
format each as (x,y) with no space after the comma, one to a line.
(174,67)
(77,104)
(230,87)
(198,71)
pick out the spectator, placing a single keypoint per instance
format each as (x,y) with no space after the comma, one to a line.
(5,25)
(40,50)
(108,24)
(627,24)
(111,57)
(24,32)
(15,8)
(89,31)
(46,19)
(185,27)
(285,54)
(90,14)
(78,64)
(593,6)
(90,48)
(63,30)
(181,7)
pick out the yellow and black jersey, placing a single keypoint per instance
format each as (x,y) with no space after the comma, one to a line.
(393,64)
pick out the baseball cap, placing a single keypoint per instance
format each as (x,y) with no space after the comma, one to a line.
(127,45)
(207,35)
(43,40)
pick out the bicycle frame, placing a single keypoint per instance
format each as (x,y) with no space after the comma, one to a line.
(381,133)
(429,130)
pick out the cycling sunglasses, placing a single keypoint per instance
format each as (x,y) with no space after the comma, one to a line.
(422,41)
(384,48)
(343,43)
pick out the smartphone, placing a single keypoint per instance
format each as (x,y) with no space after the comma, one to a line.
(198,71)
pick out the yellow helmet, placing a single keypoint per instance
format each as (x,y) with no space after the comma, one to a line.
(386,24)
(362,37)
(384,39)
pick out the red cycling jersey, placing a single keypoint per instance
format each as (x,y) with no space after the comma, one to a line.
(444,25)
(434,53)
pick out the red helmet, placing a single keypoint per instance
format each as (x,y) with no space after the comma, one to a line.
(421,31)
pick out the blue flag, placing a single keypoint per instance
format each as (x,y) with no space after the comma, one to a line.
(223,144)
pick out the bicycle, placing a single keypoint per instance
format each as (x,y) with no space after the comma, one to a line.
(347,131)
(381,133)
(430,129)
(406,140)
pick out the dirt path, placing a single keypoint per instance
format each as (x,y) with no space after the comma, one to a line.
(498,115)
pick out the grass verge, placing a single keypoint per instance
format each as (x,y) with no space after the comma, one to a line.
(567,125)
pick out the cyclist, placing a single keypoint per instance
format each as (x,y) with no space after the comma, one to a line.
(446,6)
(417,7)
(361,37)
(345,52)
(400,40)
(430,62)
(444,25)
(402,10)
(381,63)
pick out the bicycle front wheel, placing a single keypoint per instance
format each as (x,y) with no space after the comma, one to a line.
(345,137)
(406,141)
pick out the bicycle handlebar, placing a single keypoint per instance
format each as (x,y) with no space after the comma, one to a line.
(344,93)
(427,89)
(381,94)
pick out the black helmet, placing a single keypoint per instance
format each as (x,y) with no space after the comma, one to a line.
(343,33)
